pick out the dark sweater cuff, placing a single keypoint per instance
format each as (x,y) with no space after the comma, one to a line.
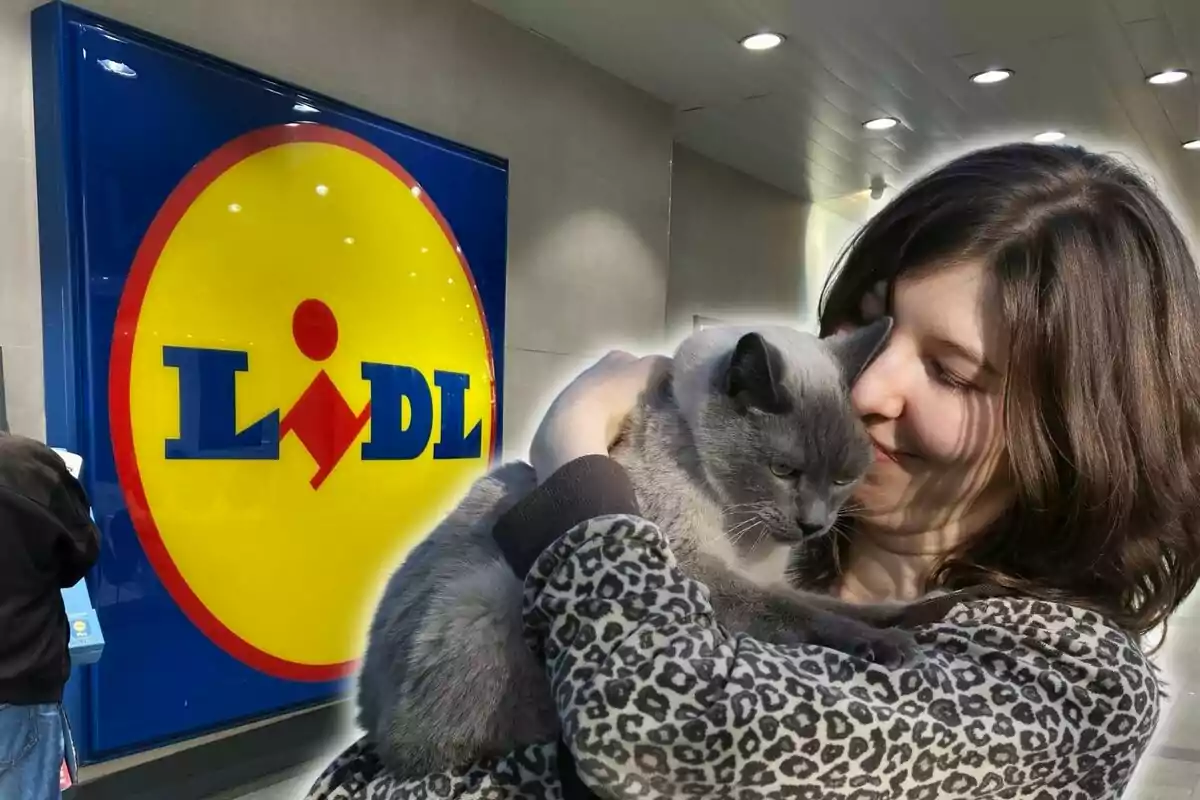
(588,487)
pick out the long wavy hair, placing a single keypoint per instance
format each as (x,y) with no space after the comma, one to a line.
(1101,298)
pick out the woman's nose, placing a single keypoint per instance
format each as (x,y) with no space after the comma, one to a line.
(879,390)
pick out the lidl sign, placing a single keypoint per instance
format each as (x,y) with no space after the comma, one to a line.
(301,372)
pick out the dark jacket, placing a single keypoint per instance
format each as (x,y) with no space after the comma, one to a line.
(47,543)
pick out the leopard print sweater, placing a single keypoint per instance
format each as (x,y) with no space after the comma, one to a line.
(1008,698)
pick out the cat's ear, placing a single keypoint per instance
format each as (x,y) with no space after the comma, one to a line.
(755,375)
(855,350)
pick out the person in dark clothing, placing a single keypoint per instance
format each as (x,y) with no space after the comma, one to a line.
(47,543)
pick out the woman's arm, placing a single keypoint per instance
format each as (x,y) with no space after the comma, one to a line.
(657,700)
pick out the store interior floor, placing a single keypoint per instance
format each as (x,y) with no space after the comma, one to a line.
(284,786)
(271,759)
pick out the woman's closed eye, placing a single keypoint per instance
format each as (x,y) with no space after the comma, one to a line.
(952,380)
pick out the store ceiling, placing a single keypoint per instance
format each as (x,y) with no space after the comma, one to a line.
(792,116)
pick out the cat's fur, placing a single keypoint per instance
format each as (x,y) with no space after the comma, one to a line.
(747,446)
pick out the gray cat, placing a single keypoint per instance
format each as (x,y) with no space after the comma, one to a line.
(748,448)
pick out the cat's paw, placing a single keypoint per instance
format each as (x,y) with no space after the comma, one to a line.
(892,647)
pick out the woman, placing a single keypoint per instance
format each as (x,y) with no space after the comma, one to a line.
(1036,421)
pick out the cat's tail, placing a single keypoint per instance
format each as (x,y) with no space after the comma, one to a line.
(474,689)
(447,675)
(401,609)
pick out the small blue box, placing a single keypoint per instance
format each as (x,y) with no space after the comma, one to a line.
(87,640)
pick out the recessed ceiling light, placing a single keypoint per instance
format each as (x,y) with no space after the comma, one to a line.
(881,124)
(1168,76)
(992,76)
(1194,144)
(762,41)
(1049,136)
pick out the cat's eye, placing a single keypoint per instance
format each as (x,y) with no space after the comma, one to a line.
(781,469)
(843,481)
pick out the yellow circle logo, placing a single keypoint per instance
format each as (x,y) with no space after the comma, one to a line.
(301,376)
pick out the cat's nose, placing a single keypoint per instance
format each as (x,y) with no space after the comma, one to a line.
(809,529)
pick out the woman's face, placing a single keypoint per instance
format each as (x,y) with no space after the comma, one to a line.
(932,402)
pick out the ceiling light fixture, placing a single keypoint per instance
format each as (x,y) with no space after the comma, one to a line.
(762,41)
(881,124)
(1194,144)
(1049,136)
(992,76)
(1168,76)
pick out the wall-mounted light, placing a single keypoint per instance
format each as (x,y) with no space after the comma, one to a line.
(878,186)
(1193,144)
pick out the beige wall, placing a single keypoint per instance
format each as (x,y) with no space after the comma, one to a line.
(20,295)
(829,228)
(737,246)
(590,161)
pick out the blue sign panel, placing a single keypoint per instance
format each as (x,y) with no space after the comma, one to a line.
(274,331)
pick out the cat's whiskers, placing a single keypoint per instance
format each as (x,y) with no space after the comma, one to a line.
(737,531)
(759,525)
(704,535)
(743,508)
(840,528)
(748,514)
(851,506)
(762,534)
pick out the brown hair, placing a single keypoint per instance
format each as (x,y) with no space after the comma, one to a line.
(1102,407)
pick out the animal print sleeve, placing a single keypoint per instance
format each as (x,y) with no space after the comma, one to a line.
(1007,698)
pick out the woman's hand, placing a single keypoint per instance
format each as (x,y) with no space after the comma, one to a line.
(586,417)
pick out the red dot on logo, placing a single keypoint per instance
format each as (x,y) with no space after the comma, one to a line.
(315,329)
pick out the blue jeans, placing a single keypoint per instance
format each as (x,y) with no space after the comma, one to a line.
(31,751)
